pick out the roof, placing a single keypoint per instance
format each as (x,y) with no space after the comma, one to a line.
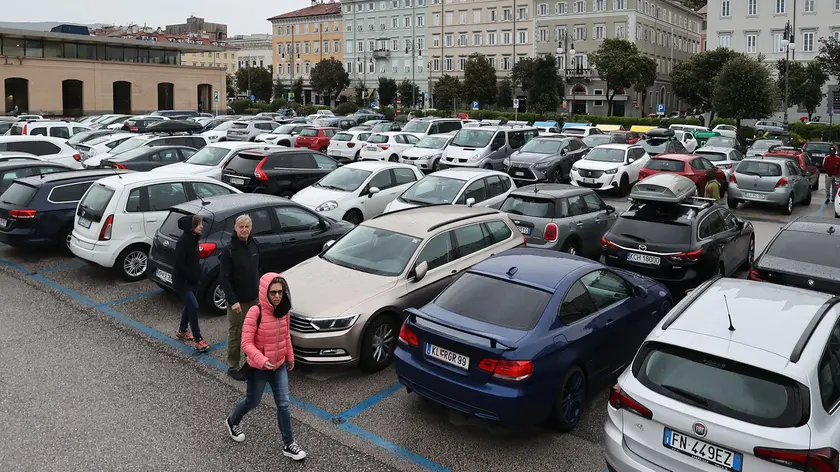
(157,177)
(551,190)
(766,316)
(540,267)
(234,203)
(233,145)
(675,156)
(714,149)
(466,173)
(622,146)
(783,153)
(375,165)
(82,175)
(10,165)
(417,221)
(315,10)
(26,137)
(142,151)
(162,41)
(812,224)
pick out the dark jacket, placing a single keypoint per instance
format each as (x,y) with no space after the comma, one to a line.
(187,268)
(240,271)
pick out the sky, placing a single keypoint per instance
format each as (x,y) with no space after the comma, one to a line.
(242,18)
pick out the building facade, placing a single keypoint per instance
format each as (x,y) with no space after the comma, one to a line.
(758,27)
(253,50)
(195,25)
(703,14)
(302,38)
(662,29)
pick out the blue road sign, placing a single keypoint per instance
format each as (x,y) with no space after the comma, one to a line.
(373,104)
(252,98)
(475,105)
(660,109)
(832,112)
(516,103)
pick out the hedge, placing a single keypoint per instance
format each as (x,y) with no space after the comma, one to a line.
(815,132)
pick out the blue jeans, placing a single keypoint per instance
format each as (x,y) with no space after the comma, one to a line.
(279,381)
(190,313)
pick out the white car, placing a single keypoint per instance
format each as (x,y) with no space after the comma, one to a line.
(117,217)
(725,158)
(148,140)
(426,154)
(347,145)
(580,131)
(219,133)
(283,135)
(18,156)
(210,160)
(726,130)
(102,144)
(387,146)
(610,167)
(687,139)
(739,376)
(324,113)
(49,149)
(457,186)
(53,128)
(358,191)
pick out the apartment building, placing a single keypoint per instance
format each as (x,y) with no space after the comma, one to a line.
(255,50)
(757,27)
(703,14)
(664,30)
(301,39)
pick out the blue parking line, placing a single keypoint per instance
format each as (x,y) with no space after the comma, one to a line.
(74,265)
(219,345)
(392,448)
(371,401)
(14,266)
(131,298)
(822,208)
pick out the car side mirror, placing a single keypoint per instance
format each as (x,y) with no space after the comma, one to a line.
(420,271)
(562,152)
(740,225)
(610,209)
(373,191)
(470,202)
(327,245)
(640,291)
(631,160)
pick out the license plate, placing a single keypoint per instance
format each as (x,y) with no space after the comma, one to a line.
(524,230)
(756,196)
(84,222)
(819,155)
(703,451)
(444,355)
(643,258)
(372,148)
(237,181)
(587,180)
(519,174)
(165,276)
(4,222)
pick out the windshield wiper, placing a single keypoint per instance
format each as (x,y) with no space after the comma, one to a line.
(331,187)
(747,172)
(408,200)
(693,397)
(515,212)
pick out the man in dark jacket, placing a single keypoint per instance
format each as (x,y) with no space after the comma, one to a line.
(240,279)
(186,276)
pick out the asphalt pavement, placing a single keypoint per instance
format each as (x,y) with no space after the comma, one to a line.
(93,380)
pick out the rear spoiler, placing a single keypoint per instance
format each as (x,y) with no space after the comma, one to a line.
(414,314)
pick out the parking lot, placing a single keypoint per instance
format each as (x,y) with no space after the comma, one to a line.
(365,412)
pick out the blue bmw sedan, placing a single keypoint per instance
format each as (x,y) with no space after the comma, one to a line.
(521,337)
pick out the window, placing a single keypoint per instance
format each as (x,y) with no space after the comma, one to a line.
(493,16)
(751,43)
(403,176)
(462,63)
(506,37)
(449,16)
(507,14)
(495,187)
(777,42)
(491,38)
(599,32)
(725,9)
(294,219)
(438,251)
(619,4)
(67,193)
(575,206)
(475,190)
(619,30)
(712,225)
(828,371)
(462,17)
(577,304)
(600,5)
(522,36)
(420,21)
(448,41)
(560,8)
(580,6)
(724,40)
(163,196)
(436,19)
(542,35)
(205,190)
(808,42)
(471,239)
(132,205)
(809,6)
(506,63)
(605,288)
(476,39)
(780,6)
(594,202)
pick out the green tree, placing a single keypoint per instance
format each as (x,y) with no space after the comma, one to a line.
(257,81)
(231,86)
(408,91)
(297,90)
(803,85)
(479,80)
(645,77)
(280,90)
(744,90)
(812,87)
(505,93)
(540,81)
(522,74)
(616,60)
(695,4)
(694,80)
(795,73)
(387,91)
(447,92)
(829,56)
(329,78)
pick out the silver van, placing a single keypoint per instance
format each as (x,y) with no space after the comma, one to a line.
(487,146)
(422,127)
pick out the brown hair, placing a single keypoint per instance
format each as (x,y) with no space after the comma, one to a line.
(711,174)
(196,220)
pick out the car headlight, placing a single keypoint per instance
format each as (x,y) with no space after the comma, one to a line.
(213,138)
(334,324)
(327,206)
(506,162)
(542,165)
(611,171)
(475,156)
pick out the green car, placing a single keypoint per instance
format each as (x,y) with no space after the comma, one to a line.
(703,136)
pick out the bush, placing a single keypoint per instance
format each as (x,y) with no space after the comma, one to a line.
(815,132)
(277,104)
(346,108)
(723,121)
(239,106)
(745,133)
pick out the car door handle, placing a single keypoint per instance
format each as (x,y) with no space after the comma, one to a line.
(454,271)
(291,240)
(609,322)
(151,220)
(580,225)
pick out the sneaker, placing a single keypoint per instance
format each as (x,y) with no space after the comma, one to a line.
(234,431)
(294,451)
(202,346)
(185,336)
(237,375)
(826,201)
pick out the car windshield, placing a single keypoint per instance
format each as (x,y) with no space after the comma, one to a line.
(378,139)
(712,156)
(224,126)
(79,138)
(666,165)
(416,127)
(543,146)
(373,250)
(284,129)
(129,144)
(764,144)
(592,141)
(95,201)
(342,137)
(433,189)
(100,140)
(810,248)
(814,147)
(382,127)
(654,145)
(574,131)
(309,132)
(208,156)
(721,141)
(528,206)
(473,138)
(346,179)
(432,142)
(491,300)
(759,168)
(606,155)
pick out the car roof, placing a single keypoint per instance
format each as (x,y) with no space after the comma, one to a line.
(424,221)
(135,178)
(551,190)
(622,146)
(675,156)
(10,165)
(145,150)
(811,224)
(465,173)
(714,148)
(7,139)
(233,145)
(81,175)
(431,118)
(539,267)
(376,165)
(226,205)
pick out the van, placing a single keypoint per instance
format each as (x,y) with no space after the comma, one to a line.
(421,127)
(486,146)
(54,128)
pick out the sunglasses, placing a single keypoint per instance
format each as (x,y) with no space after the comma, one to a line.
(275,293)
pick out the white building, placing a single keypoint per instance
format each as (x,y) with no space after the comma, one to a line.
(254,50)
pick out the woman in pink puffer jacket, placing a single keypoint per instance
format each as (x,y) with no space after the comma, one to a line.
(268,344)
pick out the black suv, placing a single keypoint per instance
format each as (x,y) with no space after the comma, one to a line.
(148,158)
(40,211)
(280,172)
(287,233)
(679,244)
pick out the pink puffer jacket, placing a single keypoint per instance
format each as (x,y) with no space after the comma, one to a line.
(271,341)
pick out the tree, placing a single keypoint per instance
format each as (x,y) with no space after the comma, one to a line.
(829,56)
(280,90)
(645,77)
(387,91)
(540,81)
(744,90)
(694,80)
(695,4)
(616,62)
(812,87)
(329,77)
(795,73)
(522,74)
(408,91)
(297,90)
(231,86)
(447,92)
(257,81)
(479,80)
(504,95)
(803,85)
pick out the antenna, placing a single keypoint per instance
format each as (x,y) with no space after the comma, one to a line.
(116,172)
(725,302)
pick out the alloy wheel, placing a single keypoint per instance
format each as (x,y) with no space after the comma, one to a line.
(219,299)
(790,205)
(381,342)
(573,398)
(572,250)
(135,263)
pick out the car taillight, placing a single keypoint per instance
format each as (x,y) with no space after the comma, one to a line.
(258,172)
(516,371)
(692,256)
(77,157)
(838,192)
(205,249)
(732,178)
(22,214)
(384,147)
(351,145)
(105,232)
(619,400)
(782,182)
(755,275)
(133,128)
(607,244)
(814,460)
(25,128)
(119,166)
(642,174)
(550,233)
(407,336)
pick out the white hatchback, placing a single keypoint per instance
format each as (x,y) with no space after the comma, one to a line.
(609,167)
(457,186)
(117,217)
(102,145)
(210,160)
(388,146)
(347,145)
(55,150)
(358,191)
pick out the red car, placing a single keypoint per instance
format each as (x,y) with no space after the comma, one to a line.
(316,139)
(630,137)
(689,165)
(809,169)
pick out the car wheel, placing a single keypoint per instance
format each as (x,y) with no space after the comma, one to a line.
(358,156)
(571,247)
(569,404)
(323,150)
(133,262)
(665,307)
(750,255)
(807,200)
(733,204)
(215,299)
(816,185)
(64,241)
(353,216)
(624,186)
(436,165)
(394,158)
(378,343)
(787,209)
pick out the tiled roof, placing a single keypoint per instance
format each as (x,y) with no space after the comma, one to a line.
(171,38)
(316,10)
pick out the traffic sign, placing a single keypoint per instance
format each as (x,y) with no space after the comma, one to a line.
(660,109)
(635,102)
(216,97)
(373,104)
(475,105)
(399,102)
(252,98)
(515,103)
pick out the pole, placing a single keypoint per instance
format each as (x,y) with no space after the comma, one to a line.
(787,70)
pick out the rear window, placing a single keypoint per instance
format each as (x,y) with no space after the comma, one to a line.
(574,131)
(16,130)
(309,132)
(810,248)
(654,224)
(342,137)
(239,126)
(763,169)
(494,301)
(96,201)
(245,163)
(723,386)
(817,147)
(666,165)
(378,139)
(170,224)
(18,194)
(712,156)
(529,206)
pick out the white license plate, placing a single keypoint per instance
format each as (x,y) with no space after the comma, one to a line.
(524,230)
(372,149)
(4,222)
(642,258)
(444,355)
(84,222)
(755,196)
(703,451)
(237,181)
(519,174)
(165,276)
(587,180)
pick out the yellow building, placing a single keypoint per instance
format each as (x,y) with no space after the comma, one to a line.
(301,39)
(226,60)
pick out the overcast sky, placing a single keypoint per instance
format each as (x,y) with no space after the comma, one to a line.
(241,17)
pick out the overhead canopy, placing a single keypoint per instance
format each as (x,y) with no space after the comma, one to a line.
(641,129)
(609,127)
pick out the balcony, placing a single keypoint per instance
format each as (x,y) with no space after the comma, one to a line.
(381,54)
(579,73)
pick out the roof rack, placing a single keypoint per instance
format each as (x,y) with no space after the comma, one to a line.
(812,326)
(462,218)
(409,208)
(678,310)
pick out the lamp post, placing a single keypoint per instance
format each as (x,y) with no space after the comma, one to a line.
(569,50)
(789,46)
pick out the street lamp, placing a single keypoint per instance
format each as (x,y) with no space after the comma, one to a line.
(789,46)
(570,49)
